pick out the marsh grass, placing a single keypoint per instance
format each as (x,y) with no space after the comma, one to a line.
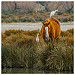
(20,50)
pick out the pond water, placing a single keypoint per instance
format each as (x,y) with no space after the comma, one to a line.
(32,26)
(30,71)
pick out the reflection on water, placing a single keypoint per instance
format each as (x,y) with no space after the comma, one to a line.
(29,71)
(20,70)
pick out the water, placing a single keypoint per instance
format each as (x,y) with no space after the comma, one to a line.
(31,71)
(20,71)
(32,26)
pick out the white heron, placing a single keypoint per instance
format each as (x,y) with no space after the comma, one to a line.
(37,39)
(52,13)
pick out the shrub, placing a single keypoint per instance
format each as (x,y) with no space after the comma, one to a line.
(59,13)
(9,14)
(22,20)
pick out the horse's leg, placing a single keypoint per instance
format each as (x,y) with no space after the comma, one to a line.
(44,38)
(49,39)
(57,38)
(52,39)
(53,42)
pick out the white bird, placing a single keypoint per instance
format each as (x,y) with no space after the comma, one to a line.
(52,13)
(37,39)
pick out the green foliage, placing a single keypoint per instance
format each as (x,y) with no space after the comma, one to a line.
(59,13)
(15,20)
(9,14)
(22,20)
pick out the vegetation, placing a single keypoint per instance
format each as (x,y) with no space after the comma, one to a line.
(34,17)
(20,50)
(34,11)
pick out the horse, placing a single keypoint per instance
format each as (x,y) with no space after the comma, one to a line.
(51,29)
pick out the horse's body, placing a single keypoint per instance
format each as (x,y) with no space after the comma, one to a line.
(53,29)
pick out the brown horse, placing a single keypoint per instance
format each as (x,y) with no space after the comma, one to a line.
(51,29)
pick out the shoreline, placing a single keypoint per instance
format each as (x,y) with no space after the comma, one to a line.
(32,26)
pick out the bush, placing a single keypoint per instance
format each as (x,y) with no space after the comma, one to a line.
(22,20)
(9,14)
(15,20)
(60,13)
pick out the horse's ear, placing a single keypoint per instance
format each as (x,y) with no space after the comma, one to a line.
(42,22)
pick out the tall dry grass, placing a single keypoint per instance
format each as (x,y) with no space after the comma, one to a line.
(20,50)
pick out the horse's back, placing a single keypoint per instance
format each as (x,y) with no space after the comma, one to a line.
(56,25)
(55,20)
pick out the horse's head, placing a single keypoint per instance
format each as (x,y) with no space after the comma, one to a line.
(46,25)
